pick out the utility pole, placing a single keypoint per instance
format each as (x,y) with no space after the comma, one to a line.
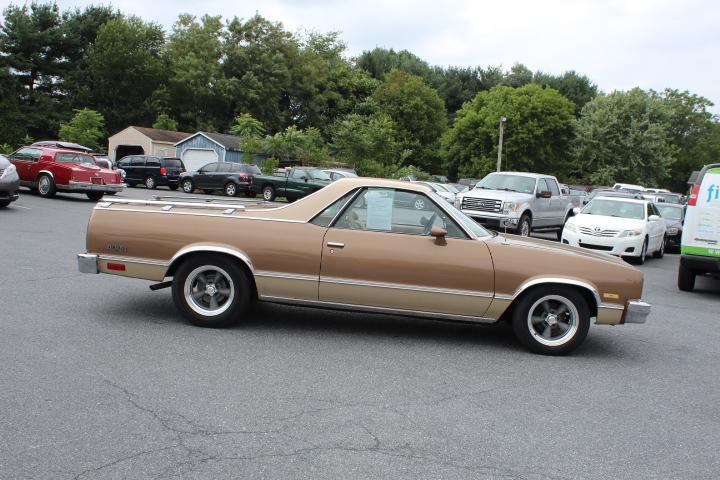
(500,142)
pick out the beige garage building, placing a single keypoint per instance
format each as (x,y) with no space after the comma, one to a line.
(144,141)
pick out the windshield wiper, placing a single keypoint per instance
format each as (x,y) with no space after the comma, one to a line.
(510,190)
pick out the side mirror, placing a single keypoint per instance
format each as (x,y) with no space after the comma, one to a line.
(438,232)
(585,202)
(304,178)
(576,210)
(653,218)
(544,194)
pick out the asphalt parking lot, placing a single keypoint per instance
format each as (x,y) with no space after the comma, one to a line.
(100,378)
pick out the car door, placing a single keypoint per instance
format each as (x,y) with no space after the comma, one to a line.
(138,169)
(221,174)
(297,182)
(542,205)
(556,215)
(656,228)
(379,254)
(203,177)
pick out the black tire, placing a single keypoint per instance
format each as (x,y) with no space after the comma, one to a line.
(150,183)
(173,187)
(643,254)
(95,196)
(525,219)
(4,203)
(268,193)
(661,252)
(685,279)
(565,341)
(46,186)
(230,189)
(188,186)
(231,279)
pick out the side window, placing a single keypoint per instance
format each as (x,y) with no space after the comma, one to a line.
(138,162)
(397,211)
(209,168)
(327,215)
(225,167)
(297,173)
(553,187)
(153,162)
(649,209)
(542,186)
(124,163)
(26,154)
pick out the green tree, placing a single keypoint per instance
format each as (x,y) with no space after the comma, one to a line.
(575,87)
(379,62)
(518,76)
(165,122)
(538,132)
(624,137)
(419,114)
(370,144)
(125,68)
(85,128)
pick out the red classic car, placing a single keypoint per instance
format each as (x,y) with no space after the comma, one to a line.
(50,170)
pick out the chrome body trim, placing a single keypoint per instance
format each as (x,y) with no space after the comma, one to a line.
(637,311)
(242,256)
(92,187)
(141,261)
(198,204)
(400,286)
(335,244)
(611,306)
(286,276)
(221,214)
(500,296)
(365,308)
(48,172)
(87,263)
(565,281)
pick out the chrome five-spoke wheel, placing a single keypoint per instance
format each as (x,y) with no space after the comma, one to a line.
(552,320)
(209,290)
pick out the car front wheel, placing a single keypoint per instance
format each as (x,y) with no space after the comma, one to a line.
(187,186)
(551,320)
(525,225)
(211,291)
(230,189)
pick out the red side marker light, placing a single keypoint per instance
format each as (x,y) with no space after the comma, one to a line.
(116,266)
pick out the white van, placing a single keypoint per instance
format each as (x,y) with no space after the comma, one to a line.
(700,244)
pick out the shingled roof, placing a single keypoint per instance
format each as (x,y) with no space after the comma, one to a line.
(162,135)
(231,142)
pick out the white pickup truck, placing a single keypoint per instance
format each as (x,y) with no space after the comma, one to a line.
(518,202)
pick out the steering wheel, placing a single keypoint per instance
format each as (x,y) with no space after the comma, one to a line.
(429,224)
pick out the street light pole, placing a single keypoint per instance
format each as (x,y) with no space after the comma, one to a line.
(500,142)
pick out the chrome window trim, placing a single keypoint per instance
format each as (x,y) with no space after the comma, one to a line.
(401,286)
(366,308)
(214,249)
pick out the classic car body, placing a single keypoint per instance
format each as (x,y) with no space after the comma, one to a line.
(49,170)
(359,244)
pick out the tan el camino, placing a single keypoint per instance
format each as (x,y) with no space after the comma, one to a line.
(362,244)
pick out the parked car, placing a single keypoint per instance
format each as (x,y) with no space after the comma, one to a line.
(354,247)
(338,173)
(152,171)
(628,187)
(669,197)
(231,178)
(49,170)
(457,187)
(9,182)
(602,192)
(64,145)
(700,242)
(441,190)
(297,182)
(674,216)
(439,179)
(618,226)
(518,201)
(470,182)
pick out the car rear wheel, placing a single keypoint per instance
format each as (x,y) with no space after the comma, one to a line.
(187,186)
(551,320)
(95,196)
(524,226)
(211,291)
(150,183)
(268,193)
(660,252)
(685,279)
(230,189)
(46,186)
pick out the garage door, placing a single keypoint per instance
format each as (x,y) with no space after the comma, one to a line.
(195,158)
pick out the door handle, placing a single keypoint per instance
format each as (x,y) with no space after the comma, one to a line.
(335,245)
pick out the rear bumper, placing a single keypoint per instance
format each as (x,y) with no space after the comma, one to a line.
(91,187)
(87,263)
(637,311)
(700,264)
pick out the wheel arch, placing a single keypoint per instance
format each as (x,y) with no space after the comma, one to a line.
(587,290)
(240,257)
(45,172)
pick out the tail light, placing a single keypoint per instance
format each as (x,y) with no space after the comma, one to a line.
(692,201)
(163,171)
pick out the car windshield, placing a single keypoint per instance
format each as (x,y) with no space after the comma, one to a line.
(510,183)
(670,197)
(74,158)
(319,175)
(670,212)
(615,208)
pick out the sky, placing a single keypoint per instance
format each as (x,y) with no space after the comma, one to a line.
(619,44)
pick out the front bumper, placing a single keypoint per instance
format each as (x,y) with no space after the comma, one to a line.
(87,263)
(621,247)
(74,186)
(9,189)
(637,311)
(494,221)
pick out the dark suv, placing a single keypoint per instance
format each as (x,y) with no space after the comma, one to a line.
(227,176)
(152,171)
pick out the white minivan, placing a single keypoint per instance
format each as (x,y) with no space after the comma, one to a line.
(700,244)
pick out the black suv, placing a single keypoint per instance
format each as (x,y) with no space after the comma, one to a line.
(227,176)
(152,171)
